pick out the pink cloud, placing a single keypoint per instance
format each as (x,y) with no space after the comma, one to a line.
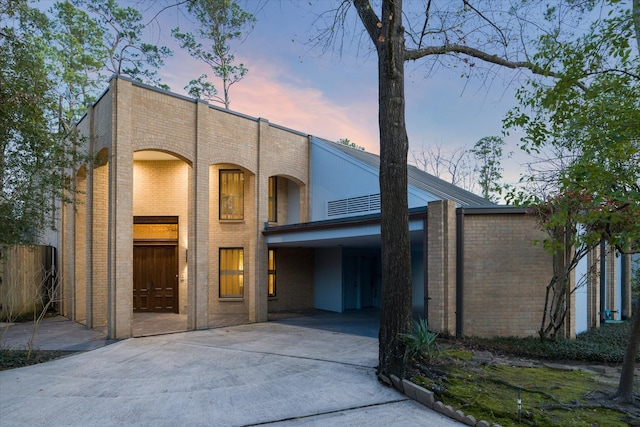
(273,93)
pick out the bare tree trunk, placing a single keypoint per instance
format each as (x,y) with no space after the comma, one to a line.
(2,170)
(387,34)
(625,386)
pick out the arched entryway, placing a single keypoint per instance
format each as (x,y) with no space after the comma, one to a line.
(160,228)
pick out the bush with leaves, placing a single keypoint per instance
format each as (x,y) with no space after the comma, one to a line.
(421,343)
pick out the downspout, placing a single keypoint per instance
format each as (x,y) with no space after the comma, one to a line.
(256,303)
(459,270)
(425,263)
(603,280)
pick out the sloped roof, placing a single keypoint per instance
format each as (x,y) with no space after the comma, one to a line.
(420,179)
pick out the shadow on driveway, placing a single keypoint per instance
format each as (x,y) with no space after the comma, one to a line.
(364,322)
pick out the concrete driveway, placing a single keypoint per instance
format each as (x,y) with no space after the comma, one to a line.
(259,374)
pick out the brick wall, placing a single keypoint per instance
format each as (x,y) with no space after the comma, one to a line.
(294,279)
(230,234)
(505,275)
(161,122)
(441,266)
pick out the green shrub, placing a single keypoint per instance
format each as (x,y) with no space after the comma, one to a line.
(420,343)
(604,345)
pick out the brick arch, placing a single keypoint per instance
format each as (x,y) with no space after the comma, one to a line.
(233,164)
(161,189)
(82,171)
(102,157)
(300,212)
(297,181)
(178,156)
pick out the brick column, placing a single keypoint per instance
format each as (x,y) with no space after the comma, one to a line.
(100,236)
(441,265)
(120,294)
(66,269)
(198,251)
(258,288)
(80,267)
(89,224)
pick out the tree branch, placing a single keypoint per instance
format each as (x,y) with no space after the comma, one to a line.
(414,54)
(369,19)
(178,4)
(426,22)
(504,39)
(615,71)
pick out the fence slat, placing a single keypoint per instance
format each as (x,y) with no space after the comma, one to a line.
(22,279)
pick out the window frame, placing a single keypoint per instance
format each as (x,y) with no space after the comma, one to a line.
(271,273)
(223,196)
(273,199)
(229,273)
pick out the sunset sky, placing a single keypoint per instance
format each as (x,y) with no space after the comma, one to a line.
(334,96)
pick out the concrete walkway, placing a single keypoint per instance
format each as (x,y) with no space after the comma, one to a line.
(53,333)
(260,374)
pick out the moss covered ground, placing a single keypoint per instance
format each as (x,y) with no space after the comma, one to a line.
(558,383)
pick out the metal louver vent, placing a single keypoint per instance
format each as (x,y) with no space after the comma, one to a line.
(337,207)
(353,205)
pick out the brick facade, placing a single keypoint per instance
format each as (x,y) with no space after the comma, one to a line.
(490,276)
(484,275)
(505,275)
(97,234)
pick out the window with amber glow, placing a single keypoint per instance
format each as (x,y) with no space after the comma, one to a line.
(231,273)
(273,199)
(272,273)
(231,194)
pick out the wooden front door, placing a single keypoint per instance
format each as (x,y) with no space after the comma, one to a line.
(155,278)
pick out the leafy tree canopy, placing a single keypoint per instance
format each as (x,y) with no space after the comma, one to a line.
(220,23)
(591,113)
(29,155)
(128,53)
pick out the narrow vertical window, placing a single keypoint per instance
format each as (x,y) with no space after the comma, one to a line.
(272,273)
(231,273)
(273,199)
(231,194)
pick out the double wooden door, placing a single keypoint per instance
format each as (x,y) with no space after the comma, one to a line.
(155,278)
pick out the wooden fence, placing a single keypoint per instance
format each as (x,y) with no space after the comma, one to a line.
(28,277)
